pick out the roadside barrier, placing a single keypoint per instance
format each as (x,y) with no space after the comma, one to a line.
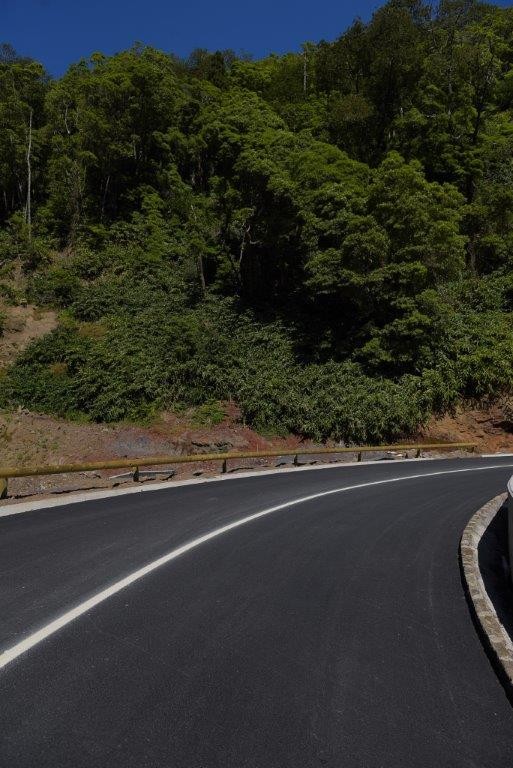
(152,461)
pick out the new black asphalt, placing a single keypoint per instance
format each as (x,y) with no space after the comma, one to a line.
(330,633)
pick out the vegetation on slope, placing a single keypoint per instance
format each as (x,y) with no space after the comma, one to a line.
(324,237)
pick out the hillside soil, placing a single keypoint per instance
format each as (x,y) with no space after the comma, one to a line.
(489,427)
(23,324)
(29,439)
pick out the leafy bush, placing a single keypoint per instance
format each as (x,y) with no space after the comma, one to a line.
(57,286)
(159,361)
(209,414)
(126,367)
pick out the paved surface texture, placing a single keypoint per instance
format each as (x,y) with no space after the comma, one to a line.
(330,633)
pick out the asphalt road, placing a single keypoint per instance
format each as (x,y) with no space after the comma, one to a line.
(332,632)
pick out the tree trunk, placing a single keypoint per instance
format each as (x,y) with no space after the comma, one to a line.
(104,196)
(66,121)
(471,250)
(28,208)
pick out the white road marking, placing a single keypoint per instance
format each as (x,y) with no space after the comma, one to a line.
(54,626)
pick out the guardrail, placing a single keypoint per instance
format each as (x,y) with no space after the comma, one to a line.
(152,461)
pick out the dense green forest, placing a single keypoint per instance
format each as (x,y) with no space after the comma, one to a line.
(324,237)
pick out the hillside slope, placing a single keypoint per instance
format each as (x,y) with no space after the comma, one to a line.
(323,238)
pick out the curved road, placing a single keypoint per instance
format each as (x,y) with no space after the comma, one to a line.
(331,631)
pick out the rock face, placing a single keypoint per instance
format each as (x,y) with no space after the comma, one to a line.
(219,444)
(29,439)
(202,446)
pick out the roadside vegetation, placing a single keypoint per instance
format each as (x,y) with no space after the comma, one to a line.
(324,237)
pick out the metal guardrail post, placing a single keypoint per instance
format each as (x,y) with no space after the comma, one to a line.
(134,464)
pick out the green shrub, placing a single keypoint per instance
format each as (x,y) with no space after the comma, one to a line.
(209,414)
(203,357)
(57,286)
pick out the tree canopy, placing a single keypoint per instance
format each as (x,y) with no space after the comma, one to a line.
(324,236)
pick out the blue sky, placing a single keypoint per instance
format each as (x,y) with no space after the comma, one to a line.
(58,32)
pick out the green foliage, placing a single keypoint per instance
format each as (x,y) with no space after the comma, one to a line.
(209,414)
(129,371)
(57,285)
(324,237)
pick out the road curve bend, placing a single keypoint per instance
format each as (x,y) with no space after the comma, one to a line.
(298,619)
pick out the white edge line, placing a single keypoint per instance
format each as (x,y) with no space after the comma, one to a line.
(78,497)
(66,618)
